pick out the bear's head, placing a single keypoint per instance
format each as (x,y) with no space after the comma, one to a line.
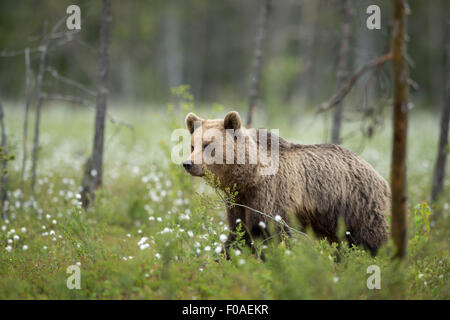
(223,147)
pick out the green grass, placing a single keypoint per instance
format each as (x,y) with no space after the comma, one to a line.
(145,195)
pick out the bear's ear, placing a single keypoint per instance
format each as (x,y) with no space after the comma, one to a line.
(190,121)
(232,121)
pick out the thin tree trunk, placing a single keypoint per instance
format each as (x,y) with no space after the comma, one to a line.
(94,166)
(342,71)
(257,61)
(174,57)
(40,99)
(400,130)
(25,123)
(441,161)
(4,162)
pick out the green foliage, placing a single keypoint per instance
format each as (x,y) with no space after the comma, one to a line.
(149,236)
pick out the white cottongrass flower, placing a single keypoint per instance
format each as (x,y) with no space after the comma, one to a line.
(144,246)
(420,275)
(218,250)
(223,238)
(158,256)
(3,228)
(238,220)
(52,232)
(23,230)
(25,247)
(151,218)
(48,216)
(277,218)
(237,252)
(128,235)
(142,241)
(262,224)
(159,219)
(207,248)
(16,237)
(53,221)
(242,261)
(10,241)
(184,217)
(78,263)
(190,234)
(8,248)
(44,247)
(335,279)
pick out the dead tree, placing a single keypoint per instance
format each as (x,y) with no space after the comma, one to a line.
(400,130)
(94,165)
(441,160)
(40,78)
(4,161)
(28,76)
(44,48)
(337,97)
(257,61)
(342,70)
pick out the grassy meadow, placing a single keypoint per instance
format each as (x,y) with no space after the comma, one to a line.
(153,235)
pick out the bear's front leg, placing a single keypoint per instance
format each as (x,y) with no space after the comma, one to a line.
(235,216)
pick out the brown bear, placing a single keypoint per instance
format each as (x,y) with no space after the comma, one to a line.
(318,184)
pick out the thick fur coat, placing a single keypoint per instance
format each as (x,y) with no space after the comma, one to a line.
(318,184)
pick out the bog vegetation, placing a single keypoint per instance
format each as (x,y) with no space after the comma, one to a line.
(155,232)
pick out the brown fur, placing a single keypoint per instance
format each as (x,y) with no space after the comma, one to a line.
(319,184)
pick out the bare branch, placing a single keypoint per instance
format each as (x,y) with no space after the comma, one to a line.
(14,53)
(69,81)
(269,216)
(346,89)
(67,98)
(86,103)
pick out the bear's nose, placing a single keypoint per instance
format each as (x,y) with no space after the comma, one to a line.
(188,165)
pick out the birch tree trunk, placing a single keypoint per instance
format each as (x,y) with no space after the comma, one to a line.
(25,122)
(441,161)
(94,166)
(174,58)
(342,71)
(400,130)
(257,61)
(40,98)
